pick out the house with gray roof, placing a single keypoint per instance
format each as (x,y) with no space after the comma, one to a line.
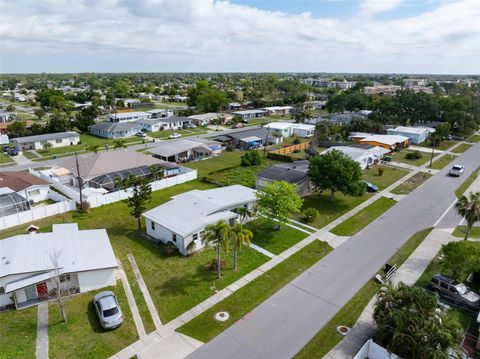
(295,173)
(29,275)
(60,139)
(249,139)
(115,130)
(182,150)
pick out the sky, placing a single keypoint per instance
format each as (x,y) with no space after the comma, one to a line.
(351,36)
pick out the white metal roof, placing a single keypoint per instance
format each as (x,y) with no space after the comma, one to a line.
(173,147)
(279,125)
(77,251)
(413,130)
(204,116)
(122,115)
(191,211)
(277,108)
(386,139)
(302,126)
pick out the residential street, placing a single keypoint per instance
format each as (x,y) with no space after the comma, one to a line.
(284,323)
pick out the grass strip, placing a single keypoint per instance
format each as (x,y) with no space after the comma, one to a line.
(364,217)
(326,339)
(467,183)
(204,327)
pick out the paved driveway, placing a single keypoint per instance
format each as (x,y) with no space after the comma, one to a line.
(283,324)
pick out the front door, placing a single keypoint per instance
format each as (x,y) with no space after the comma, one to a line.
(31,292)
(42,290)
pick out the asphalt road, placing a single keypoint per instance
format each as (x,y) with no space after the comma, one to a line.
(284,323)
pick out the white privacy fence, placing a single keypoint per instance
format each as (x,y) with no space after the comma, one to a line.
(63,205)
(100,199)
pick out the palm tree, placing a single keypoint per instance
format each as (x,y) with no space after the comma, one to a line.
(120,143)
(156,172)
(240,236)
(469,208)
(243,213)
(218,235)
(93,148)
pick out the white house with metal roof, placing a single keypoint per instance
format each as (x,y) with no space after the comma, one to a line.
(182,220)
(365,157)
(415,134)
(249,114)
(85,261)
(288,129)
(129,116)
(60,139)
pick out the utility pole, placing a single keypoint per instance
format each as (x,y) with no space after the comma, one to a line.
(80,180)
(433,149)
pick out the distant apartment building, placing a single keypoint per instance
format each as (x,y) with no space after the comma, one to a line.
(328,83)
(386,90)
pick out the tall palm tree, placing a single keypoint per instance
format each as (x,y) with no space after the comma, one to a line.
(243,213)
(218,235)
(120,143)
(469,208)
(240,237)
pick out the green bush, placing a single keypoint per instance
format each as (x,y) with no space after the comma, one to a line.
(415,155)
(310,214)
(380,170)
(278,157)
(251,158)
(296,140)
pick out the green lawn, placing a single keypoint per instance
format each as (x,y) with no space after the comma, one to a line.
(18,333)
(239,304)
(413,182)
(400,157)
(460,232)
(184,132)
(364,217)
(328,337)
(390,175)
(443,146)
(259,121)
(85,141)
(274,241)
(30,155)
(5,158)
(442,161)
(176,283)
(462,148)
(329,210)
(226,160)
(474,138)
(467,183)
(82,336)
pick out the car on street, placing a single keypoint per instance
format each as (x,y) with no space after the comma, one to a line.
(175,135)
(456,171)
(370,186)
(141,134)
(449,287)
(108,310)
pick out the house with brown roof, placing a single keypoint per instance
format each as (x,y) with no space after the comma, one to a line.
(25,184)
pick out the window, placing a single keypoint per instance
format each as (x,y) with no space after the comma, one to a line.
(444,285)
(65,278)
(59,140)
(152,225)
(195,236)
(174,237)
(2,290)
(35,192)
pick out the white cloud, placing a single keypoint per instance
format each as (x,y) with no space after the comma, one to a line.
(207,35)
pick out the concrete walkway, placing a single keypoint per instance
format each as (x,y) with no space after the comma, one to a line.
(42,332)
(131,302)
(262,250)
(145,292)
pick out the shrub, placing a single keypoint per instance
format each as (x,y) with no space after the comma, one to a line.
(296,140)
(229,148)
(85,207)
(251,158)
(212,265)
(310,214)
(279,157)
(296,151)
(380,171)
(415,155)
(169,249)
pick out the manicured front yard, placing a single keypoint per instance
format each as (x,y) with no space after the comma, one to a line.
(443,146)
(239,304)
(462,148)
(85,141)
(412,183)
(474,138)
(184,132)
(390,175)
(329,210)
(274,241)
(18,333)
(442,161)
(30,155)
(364,217)
(4,159)
(401,157)
(326,339)
(226,160)
(461,230)
(82,336)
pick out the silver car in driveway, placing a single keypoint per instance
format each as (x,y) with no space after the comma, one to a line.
(108,310)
